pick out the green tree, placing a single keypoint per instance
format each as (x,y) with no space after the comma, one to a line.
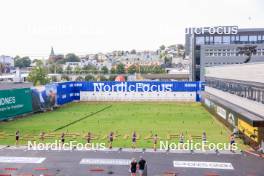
(162,47)
(105,70)
(112,78)
(113,70)
(38,75)
(71,57)
(89,78)
(120,69)
(103,78)
(22,62)
(79,78)
(68,69)
(132,69)
(77,70)
(65,78)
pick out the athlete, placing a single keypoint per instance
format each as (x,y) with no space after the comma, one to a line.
(204,138)
(17,137)
(89,137)
(62,138)
(42,135)
(111,139)
(155,141)
(181,140)
(232,142)
(134,140)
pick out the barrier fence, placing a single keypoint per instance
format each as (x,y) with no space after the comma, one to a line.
(56,94)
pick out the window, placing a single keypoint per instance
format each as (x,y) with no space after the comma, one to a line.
(226,39)
(252,38)
(217,39)
(199,40)
(243,38)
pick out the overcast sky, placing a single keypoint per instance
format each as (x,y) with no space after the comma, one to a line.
(31,27)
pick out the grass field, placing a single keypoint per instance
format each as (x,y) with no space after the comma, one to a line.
(122,118)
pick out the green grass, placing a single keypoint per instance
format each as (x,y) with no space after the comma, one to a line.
(124,118)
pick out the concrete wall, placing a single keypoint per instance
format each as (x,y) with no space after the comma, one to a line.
(244,72)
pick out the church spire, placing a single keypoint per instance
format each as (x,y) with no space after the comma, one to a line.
(52,52)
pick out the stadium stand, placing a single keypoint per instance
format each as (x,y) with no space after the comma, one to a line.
(235,94)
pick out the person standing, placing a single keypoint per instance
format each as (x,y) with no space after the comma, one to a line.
(141,166)
(134,140)
(62,138)
(133,167)
(111,139)
(17,137)
(155,142)
(89,137)
(232,142)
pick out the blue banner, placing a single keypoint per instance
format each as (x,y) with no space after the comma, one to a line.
(140,86)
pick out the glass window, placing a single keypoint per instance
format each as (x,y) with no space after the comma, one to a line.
(217,39)
(252,38)
(259,37)
(199,40)
(226,39)
(243,38)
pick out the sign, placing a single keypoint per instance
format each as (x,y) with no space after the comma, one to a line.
(212,30)
(221,112)
(141,86)
(15,102)
(231,119)
(93,161)
(31,160)
(248,130)
(207,165)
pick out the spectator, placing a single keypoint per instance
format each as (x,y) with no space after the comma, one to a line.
(133,167)
(141,166)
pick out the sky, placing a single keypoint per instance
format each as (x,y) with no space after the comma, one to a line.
(32,27)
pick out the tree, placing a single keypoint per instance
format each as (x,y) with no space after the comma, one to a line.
(113,70)
(105,70)
(22,62)
(247,50)
(120,69)
(162,47)
(68,69)
(133,51)
(79,78)
(71,57)
(38,75)
(103,78)
(65,78)
(2,68)
(77,70)
(89,78)
(112,78)
(132,69)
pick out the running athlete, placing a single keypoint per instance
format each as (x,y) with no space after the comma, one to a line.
(204,137)
(42,135)
(181,139)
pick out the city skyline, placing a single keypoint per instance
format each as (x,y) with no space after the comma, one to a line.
(82,27)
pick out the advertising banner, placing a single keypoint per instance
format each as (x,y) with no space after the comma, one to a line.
(248,130)
(141,86)
(221,112)
(15,102)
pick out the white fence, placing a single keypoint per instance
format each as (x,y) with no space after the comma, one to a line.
(137,96)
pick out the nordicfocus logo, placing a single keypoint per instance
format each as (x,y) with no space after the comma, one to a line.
(138,87)
(213,30)
(7,101)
